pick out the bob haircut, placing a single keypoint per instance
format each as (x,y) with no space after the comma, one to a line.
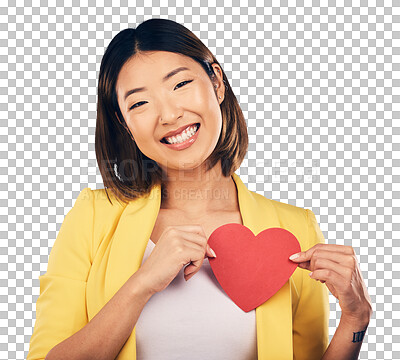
(125,170)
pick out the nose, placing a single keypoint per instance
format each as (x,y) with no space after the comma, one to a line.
(170,111)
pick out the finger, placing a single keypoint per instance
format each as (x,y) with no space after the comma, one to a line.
(325,264)
(306,255)
(189,237)
(210,252)
(189,257)
(334,259)
(192,233)
(189,227)
(338,258)
(195,265)
(199,240)
(189,247)
(331,276)
(187,277)
(190,271)
(196,256)
(193,228)
(194,237)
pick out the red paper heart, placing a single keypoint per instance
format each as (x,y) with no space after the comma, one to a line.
(251,268)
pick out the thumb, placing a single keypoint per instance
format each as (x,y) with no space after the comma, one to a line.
(210,252)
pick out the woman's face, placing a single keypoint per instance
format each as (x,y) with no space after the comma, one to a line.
(164,104)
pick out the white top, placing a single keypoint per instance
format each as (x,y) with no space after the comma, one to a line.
(194,320)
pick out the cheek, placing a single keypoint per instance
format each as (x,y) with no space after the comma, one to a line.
(138,129)
(204,101)
(141,137)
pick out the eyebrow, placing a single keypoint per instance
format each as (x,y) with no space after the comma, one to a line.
(165,78)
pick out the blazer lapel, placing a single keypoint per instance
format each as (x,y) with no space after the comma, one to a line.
(273,318)
(127,250)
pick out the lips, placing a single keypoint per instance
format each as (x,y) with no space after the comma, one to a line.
(184,144)
(176,132)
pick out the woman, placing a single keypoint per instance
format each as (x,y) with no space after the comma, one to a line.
(169,136)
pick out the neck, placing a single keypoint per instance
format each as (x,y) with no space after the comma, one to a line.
(197,192)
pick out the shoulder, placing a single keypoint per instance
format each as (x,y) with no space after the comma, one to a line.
(97,198)
(95,201)
(103,215)
(286,213)
(289,211)
(299,221)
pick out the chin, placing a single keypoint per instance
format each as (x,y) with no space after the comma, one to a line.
(182,164)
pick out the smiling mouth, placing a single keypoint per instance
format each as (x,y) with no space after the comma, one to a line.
(197,125)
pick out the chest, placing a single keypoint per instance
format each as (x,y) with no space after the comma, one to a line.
(209,223)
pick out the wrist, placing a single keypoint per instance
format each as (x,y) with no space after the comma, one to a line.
(362,317)
(360,321)
(139,287)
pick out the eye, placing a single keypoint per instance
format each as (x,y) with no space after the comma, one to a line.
(177,86)
(134,105)
(183,82)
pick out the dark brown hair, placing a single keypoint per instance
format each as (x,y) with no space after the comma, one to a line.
(125,170)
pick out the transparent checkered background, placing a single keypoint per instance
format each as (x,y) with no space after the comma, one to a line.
(318,83)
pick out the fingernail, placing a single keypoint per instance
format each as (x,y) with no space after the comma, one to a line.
(213,252)
(310,273)
(294,256)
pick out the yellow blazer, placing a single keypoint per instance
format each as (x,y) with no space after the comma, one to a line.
(99,246)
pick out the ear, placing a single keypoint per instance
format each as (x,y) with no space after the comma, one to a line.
(219,85)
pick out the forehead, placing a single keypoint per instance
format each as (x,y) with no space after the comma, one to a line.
(147,67)
(158,58)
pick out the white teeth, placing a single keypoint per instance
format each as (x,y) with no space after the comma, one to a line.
(183,136)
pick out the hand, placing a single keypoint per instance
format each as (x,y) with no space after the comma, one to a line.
(177,246)
(337,267)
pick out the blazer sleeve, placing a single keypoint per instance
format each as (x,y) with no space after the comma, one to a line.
(61,305)
(311,320)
